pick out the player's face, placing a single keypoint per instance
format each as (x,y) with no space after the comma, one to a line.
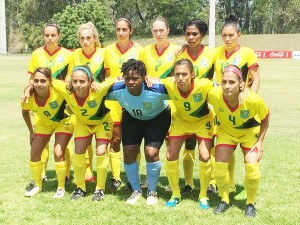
(51,36)
(193,36)
(230,37)
(134,82)
(80,83)
(231,85)
(123,31)
(87,39)
(183,77)
(160,32)
(41,84)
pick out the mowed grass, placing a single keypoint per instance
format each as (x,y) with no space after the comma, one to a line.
(278,198)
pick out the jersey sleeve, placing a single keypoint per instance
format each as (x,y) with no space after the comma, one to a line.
(59,86)
(252,58)
(27,106)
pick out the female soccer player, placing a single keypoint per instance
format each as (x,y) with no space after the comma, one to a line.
(243,119)
(92,55)
(56,58)
(49,107)
(243,57)
(116,54)
(192,117)
(92,118)
(145,116)
(203,59)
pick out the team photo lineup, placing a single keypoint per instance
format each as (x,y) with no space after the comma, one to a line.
(125,95)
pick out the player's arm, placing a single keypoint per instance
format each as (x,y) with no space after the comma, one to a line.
(255,79)
(27,119)
(27,93)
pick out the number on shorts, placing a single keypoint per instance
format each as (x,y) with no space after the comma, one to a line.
(187,106)
(232,119)
(137,112)
(106,126)
(208,126)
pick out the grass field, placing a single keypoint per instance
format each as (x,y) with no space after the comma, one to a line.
(279,194)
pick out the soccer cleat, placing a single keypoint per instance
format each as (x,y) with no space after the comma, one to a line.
(144,184)
(33,191)
(168,189)
(32,183)
(90,179)
(204,204)
(221,207)
(212,189)
(115,183)
(98,195)
(78,193)
(134,197)
(250,210)
(172,202)
(59,193)
(186,190)
(151,198)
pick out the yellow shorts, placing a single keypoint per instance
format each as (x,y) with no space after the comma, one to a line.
(115,111)
(65,126)
(202,129)
(103,132)
(247,140)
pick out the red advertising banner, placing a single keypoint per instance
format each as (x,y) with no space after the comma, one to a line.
(274,54)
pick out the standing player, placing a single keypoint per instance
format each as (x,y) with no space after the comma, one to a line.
(189,97)
(92,55)
(116,54)
(203,59)
(56,58)
(145,116)
(243,57)
(243,119)
(49,107)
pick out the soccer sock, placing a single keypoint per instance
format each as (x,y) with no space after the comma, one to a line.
(252,179)
(172,171)
(132,173)
(231,172)
(153,172)
(138,158)
(204,176)
(68,158)
(188,166)
(222,180)
(115,161)
(213,162)
(79,170)
(102,170)
(36,171)
(44,159)
(89,161)
(60,168)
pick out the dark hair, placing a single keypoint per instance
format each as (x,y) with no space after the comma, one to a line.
(232,20)
(127,20)
(134,65)
(186,62)
(51,24)
(44,70)
(199,24)
(83,68)
(162,19)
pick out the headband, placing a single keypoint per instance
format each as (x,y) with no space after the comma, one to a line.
(124,20)
(233,69)
(84,69)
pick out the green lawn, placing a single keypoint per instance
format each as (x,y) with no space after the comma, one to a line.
(279,194)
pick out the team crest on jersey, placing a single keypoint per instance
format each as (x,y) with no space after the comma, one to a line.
(244,114)
(92,104)
(197,97)
(147,105)
(169,57)
(53,105)
(60,59)
(236,60)
(204,63)
(97,59)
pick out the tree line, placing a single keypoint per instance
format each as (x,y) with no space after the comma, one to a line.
(25,18)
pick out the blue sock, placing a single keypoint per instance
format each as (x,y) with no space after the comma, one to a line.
(132,173)
(153,172)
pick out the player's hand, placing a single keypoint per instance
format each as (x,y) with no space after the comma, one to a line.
(149,81)
(27,92)
(95,86)
(259,148)
(180,50)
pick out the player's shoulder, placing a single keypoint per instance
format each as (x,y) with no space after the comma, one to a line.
(117,86)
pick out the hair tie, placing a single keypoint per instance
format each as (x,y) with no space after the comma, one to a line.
(232,68)
(84,69)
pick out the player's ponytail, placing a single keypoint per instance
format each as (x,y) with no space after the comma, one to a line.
(232,20)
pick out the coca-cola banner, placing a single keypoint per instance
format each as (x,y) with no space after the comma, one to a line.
(274,54)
